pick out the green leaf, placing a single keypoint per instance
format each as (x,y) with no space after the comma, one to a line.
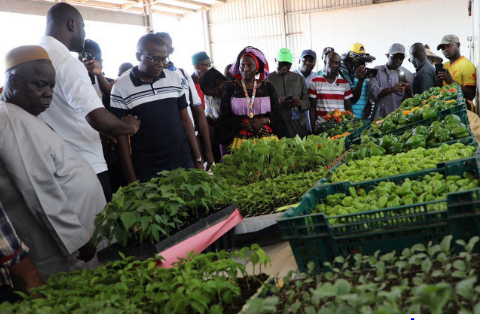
(129,219)
(310,309)
(477,308)
(459,265)
(471,244)
(343,286)
(465,288)
(460,242)
(445,244)
(426,265)
(458,274)
(436,273)
(418,247)
(145,221)
(339,259)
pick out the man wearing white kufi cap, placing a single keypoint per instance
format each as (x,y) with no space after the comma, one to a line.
(50,193)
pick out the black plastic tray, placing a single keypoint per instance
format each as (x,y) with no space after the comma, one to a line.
(143,252)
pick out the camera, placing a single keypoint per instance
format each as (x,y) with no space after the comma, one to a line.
(288,97)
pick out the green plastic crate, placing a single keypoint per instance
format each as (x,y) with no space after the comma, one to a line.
(356,134)
(466,141)
(400,131)
(312,238)
(460,110)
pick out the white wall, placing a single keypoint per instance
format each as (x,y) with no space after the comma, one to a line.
(258,22)
(378,26)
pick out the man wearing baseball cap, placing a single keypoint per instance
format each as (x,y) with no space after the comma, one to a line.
(325,52)
(307,62)
(461,70)
(353,70)
(292,93)
(458,69)
(386,88)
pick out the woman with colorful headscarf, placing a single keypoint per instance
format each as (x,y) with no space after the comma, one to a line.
(250,107)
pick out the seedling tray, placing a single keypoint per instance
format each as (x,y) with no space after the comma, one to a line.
(226,219)
(312,238)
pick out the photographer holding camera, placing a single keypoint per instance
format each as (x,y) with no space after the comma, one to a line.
(353,70)
(294,97)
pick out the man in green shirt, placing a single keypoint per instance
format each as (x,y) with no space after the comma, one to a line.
(293,94)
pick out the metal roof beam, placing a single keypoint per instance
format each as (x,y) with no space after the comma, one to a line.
(40,8)
(168,6)
(195,3)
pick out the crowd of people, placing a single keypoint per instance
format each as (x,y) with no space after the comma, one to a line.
(70,137)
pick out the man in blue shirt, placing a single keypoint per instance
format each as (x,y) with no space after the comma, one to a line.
(353,70)
(425,72)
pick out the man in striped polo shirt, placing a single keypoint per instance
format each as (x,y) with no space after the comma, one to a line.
(328,92)
(157,97)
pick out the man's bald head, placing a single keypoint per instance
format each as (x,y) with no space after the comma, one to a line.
(30,86)
(417,54)
(61,12)
(66,24)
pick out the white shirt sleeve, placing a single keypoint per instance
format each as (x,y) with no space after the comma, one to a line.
(194,92)
(77,87)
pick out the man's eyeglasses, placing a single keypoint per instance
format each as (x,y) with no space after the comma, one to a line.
(399,56)
(205,64)
(83,24)
(156,60)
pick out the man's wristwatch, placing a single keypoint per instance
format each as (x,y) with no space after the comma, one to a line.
(199,160)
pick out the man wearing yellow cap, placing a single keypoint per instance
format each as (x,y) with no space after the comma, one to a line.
(50,193)
(353,70)
(293,94)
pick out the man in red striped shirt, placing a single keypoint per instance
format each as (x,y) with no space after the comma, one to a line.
(328,92)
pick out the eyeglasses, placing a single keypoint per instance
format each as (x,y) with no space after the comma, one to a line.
(156,60)
(399,56)
(83,24)
(205,64)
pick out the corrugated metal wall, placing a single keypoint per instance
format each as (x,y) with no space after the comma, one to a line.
(240,23)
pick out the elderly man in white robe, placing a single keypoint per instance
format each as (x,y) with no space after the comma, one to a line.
(50,193)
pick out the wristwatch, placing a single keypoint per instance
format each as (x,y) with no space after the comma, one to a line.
(199,160)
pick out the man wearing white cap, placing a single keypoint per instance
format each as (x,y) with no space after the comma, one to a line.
(51,193)
(386,88)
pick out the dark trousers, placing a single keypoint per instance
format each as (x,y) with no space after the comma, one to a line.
(147,177)
(106,185)
(7,294)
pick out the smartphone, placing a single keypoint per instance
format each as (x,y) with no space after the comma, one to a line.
(402,76)
(88,56)
(288,97)
(371,72)
(439,67)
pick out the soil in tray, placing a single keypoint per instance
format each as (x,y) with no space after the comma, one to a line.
(191,219)
(246,292)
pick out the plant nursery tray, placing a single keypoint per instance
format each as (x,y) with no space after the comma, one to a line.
(197,237)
